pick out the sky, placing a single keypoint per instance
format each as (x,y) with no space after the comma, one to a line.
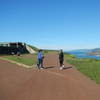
(51,24)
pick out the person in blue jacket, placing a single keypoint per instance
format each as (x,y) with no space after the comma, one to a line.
(40,60)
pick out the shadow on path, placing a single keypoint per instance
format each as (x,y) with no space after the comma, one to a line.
(49,67)
(67,67)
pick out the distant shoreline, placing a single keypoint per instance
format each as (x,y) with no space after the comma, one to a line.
(95,53)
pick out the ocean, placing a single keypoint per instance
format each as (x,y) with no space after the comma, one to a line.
(84,55)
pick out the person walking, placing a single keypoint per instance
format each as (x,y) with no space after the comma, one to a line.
(40,60)
(61,59)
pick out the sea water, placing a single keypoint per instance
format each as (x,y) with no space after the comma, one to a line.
(84,55)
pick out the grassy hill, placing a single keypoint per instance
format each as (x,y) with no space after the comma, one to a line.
(34,48)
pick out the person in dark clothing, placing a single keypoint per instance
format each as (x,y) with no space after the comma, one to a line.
(61,59)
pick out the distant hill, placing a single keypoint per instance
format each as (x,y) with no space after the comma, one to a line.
(95,51)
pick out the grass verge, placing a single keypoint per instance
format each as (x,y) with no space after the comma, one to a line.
(26,59)
(89,67)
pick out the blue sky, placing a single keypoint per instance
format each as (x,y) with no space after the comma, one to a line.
(51,24)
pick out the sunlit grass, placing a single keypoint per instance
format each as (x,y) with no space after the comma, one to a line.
(89,67)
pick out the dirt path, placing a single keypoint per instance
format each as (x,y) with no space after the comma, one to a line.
(17,83)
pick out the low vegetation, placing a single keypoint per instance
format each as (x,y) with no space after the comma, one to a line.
(89,67)
(27,59)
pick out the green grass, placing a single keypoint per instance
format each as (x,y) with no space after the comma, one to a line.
(89,67)
(26,59)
